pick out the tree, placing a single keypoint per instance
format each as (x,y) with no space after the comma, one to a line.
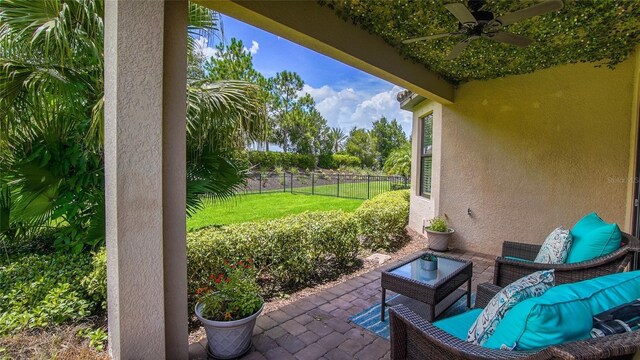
(362,144)
(399,161)
(233,62)
(284,88)
(51,120)
(295,122)
(389,136)
(336,138)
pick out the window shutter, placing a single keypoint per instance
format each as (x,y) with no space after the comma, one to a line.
(426,174)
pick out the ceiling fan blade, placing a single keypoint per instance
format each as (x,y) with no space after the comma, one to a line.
(461,13)
(535,10)
(511,39)
(459,48)
(430,37)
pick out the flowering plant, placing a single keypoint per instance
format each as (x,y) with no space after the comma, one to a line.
(233,294)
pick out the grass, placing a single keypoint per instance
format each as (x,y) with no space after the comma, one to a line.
(265,206)
(358,190)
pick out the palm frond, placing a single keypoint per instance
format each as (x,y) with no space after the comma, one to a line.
(224,114)
(213,175)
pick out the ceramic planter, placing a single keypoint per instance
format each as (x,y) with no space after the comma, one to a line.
(228,339)
(429,264)
(439,241)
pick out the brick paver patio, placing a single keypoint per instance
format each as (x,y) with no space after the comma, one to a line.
(318,326)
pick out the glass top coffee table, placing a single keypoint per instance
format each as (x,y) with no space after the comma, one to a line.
(439,288)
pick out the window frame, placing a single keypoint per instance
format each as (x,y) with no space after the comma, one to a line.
(424,154)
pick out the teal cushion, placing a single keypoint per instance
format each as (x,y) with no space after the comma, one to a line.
(524,288)
(592,238)
(564,313)
(459,325)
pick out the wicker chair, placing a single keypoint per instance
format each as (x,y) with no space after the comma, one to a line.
(414,338)
(510,270)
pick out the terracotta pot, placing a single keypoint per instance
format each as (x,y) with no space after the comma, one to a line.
(228,339)
(439,241)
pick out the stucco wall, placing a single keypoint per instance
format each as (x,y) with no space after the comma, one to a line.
(531,152)
(422,208)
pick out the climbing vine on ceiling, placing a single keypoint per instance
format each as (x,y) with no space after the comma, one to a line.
(604,32)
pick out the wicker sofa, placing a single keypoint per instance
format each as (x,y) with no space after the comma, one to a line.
(413,338)
(509,270)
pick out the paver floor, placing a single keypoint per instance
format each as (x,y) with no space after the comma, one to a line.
(318,326)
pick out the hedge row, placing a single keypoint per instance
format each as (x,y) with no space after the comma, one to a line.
(297,250)
(382,220)
(271,160)
(336,161)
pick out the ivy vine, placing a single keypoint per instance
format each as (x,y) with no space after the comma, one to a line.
(604,32)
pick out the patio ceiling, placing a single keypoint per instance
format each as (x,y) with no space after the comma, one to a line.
(600,31)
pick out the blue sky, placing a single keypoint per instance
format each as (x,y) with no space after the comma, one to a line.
(344,95)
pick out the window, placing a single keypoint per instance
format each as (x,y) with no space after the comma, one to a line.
(425,155)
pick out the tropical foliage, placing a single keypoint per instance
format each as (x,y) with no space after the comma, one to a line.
(399,161)
(389,136)
(42,290)
(336,138)
(51,120)
(363,144)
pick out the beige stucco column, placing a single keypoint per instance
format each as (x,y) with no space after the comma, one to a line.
(145,91)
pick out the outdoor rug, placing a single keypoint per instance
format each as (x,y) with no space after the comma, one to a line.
(370,318)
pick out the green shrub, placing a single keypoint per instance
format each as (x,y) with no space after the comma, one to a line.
(382,220)
(271,160)
(96,281)
(291,251)
(40,290)
(342,160)
(336,161)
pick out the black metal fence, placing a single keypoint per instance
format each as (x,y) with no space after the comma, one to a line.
(352,186)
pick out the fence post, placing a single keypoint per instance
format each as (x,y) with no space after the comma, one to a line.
(338,185)
(291,182)
(313,183)
(368,186)
(260,184)
(284,182)
(405,182)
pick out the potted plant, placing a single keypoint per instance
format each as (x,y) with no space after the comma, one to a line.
(228,308)
(438,234)
(429,262)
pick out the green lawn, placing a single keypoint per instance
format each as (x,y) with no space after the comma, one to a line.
(265,206)
(352,190)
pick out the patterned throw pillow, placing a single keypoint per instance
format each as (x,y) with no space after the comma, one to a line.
(555,248)
(529,286)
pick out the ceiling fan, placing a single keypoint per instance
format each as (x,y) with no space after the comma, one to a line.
(475,23)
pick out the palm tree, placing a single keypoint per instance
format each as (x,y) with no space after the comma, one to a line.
(336,138)
(399,161)
(51,119)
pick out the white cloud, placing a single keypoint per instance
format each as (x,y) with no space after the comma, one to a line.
(255,46)
(203,46)
(347,107)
